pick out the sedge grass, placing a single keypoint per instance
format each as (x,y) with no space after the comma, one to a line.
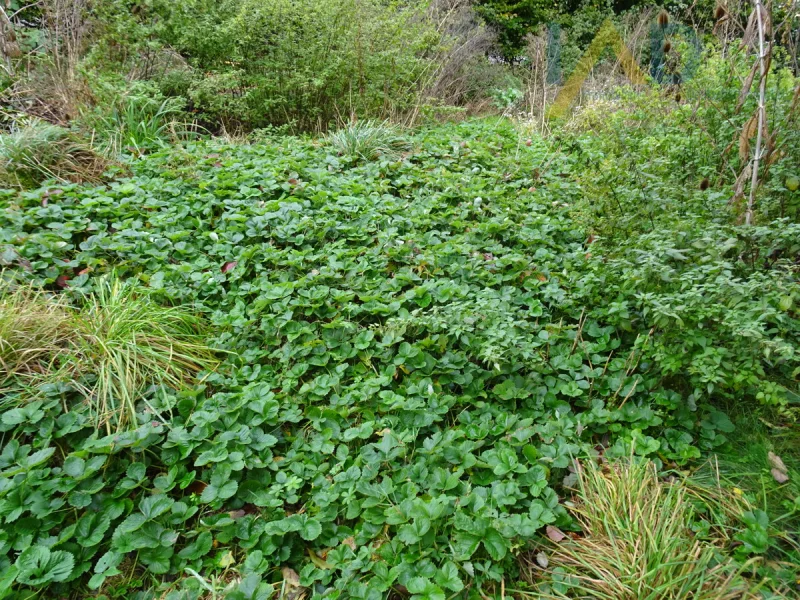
(133,343)
(637,543)
(36,333)
(116,348)
(369,140)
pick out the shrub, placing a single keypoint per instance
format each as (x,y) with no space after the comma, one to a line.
(637,542)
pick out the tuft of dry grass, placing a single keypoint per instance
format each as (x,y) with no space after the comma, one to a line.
(116,349)
(36,151)
(36,332)
(637,543)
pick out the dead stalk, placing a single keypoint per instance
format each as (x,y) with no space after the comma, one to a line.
(762,89)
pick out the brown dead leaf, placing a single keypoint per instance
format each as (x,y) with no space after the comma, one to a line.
(776,462)
(748,83)
(292,590)
(779,476)
(748,131)
(554,533)
(350,542)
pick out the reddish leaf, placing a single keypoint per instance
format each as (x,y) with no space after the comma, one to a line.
(229,266)
(554,533)
(293,181)
(61,281)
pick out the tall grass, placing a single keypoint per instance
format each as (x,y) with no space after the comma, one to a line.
(138,124)
(369,140)
(117,348)
(637,543)
(134,343)
(36,151)
(36,333)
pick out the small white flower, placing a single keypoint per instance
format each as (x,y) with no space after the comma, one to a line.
(213,235)
(211,280)
(430,389)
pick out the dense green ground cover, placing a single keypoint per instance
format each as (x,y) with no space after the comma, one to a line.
(414,350)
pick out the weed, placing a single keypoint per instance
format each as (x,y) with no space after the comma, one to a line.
(138,124)
(36,151)
(35,332)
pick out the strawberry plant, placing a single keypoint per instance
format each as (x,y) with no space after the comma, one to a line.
(414,350)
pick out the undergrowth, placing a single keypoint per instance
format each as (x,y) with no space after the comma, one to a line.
(415,349)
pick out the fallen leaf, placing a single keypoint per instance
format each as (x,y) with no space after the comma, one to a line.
(229,266)
(554,533)
(226,560)
(351,542)
(542,560)
(236,514)
(779,476)
(776,462)
(292,590)
(319,562)
(61,281)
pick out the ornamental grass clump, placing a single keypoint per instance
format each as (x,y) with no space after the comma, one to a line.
(637,542)
(116,349)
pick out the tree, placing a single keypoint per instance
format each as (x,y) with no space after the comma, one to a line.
(513,20)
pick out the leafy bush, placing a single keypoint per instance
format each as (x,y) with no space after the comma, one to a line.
(639,540)
(321,60)
(369,140)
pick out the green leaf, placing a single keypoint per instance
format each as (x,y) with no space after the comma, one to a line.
(199,547)
(496,545)
(38,565)
(310,529)
(74,466)
(425,589)
(465,544)
(156,505)
(447,577)
(90,529)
